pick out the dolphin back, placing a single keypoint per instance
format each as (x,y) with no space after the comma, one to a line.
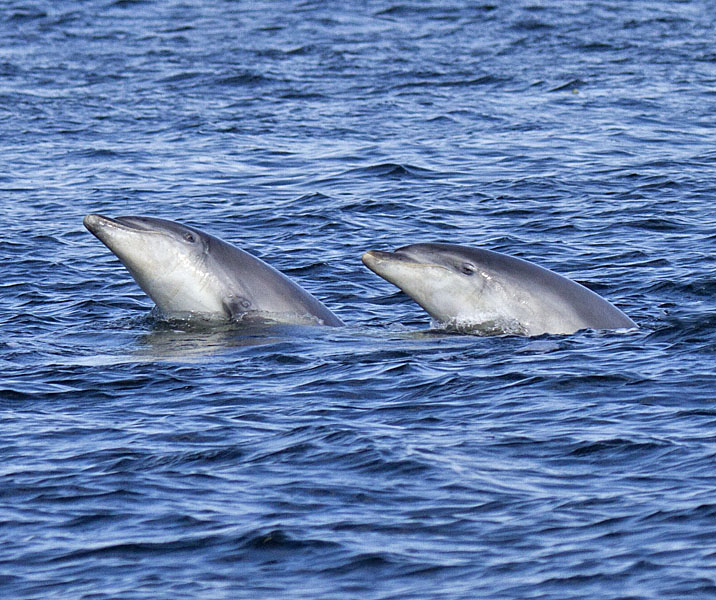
(578,303)
(253,285)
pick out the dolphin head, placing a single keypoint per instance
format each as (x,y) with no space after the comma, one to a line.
(169,261)
(190,273)
(452,283)
(489,292)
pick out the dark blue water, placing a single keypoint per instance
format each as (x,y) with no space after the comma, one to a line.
(142,459)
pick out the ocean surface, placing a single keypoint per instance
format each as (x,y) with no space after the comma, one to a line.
(387,459)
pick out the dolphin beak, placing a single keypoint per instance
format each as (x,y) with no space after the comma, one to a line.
(93,222)
(106,229)
(99,225)
(375,259)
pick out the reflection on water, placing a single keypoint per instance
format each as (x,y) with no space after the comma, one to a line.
(195,338)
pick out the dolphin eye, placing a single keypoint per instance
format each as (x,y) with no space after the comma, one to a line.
(467,269)
(189,237)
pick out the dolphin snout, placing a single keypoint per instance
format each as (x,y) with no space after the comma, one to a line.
(371,257)
(92,222)
(98,224)
(376,257)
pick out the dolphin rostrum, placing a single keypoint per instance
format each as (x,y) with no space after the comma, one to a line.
(485,291)
(190,273)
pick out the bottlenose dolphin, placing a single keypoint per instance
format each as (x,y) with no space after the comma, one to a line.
(190,273)
(481,290)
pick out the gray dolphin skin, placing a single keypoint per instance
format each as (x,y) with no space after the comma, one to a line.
(190,273)
(491,292)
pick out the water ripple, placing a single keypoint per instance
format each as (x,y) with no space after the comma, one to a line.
(386,459)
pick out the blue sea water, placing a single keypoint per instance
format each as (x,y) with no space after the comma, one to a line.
(385,459)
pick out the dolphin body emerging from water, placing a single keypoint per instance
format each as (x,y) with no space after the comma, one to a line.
(189,273)
(484,291)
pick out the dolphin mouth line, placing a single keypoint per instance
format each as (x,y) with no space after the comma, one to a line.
(376,256)
(94,223)
(373,258)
